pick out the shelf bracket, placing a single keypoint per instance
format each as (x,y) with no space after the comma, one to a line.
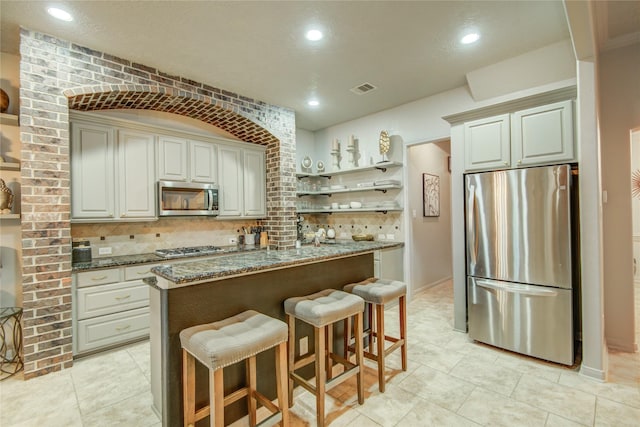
(325,176)
(384,190)
(380,168)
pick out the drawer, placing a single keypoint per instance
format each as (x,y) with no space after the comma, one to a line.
(112,298)
(139,271)
(98,277)
(112,329)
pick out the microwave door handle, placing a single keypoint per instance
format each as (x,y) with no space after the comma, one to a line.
(209,200)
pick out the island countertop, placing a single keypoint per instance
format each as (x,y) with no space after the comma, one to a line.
(184,273)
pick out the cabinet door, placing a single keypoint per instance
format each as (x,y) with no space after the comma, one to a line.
(543,135)
(486,143)
(203,166)
(230,171)
(172,159)
(136,175)
(254,183)
(92,171)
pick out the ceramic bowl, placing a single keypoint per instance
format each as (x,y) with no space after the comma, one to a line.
(344,206)
(355,205)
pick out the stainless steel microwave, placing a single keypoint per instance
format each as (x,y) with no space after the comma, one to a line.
(187,199)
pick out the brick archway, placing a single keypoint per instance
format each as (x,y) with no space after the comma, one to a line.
(224,115)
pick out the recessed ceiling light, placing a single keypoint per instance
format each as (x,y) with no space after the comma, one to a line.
(313,102)
(314,35)
(60,14)
(470,38)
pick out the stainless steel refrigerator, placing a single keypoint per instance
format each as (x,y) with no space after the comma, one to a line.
(520,279)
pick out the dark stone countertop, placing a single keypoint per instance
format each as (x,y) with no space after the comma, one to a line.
(186,272)
(148,258)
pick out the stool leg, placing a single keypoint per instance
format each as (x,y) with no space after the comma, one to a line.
(321,375)
(381,342)
(291,351)
(281,382)
(216,398)
(403,331)
(329,345)
(188,389)
(369,308)
(347,336)
(251,397)
(357,325)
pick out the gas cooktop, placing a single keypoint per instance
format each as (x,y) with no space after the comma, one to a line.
(189,251)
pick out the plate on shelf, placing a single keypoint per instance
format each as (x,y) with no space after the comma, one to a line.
(307,162)
(338,187)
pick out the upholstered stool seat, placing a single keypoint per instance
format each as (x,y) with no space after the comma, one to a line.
(321,310)
(376,293)
(223,343)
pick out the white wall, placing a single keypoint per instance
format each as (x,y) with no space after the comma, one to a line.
(619,113)
(430,255)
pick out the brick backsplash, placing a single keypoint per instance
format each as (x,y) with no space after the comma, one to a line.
(56,76)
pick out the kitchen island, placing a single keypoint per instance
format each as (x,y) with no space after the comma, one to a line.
(189,293)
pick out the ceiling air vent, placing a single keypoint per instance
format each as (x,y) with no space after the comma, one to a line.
(363,88)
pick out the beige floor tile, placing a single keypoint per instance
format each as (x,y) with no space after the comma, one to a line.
(627,393)
(532,366)
(613,414)
(134,411)
(64,417)
(427,414)
(486,374)
(489,408)
(434,356)
(388,408)
(562,400)
(437,387)
(36,398)
(557,421)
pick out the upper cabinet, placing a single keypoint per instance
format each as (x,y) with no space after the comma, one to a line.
(535,136)
(242,181)
(187,160)
(100,165)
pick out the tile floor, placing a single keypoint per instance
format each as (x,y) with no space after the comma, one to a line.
(450,382)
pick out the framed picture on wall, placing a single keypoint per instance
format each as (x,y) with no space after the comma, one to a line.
(430,195)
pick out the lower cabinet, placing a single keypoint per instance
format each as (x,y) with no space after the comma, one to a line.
(110,307)
(389,264)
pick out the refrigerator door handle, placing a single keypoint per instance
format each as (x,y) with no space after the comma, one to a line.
(519,289)
(471,226)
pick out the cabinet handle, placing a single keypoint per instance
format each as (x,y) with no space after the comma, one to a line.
(519,161)
(143,272)
(123,328)
(110,215)
(506,163)
(123,297)
(98,278)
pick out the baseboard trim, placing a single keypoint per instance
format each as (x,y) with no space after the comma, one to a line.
(431,285)
(595,374)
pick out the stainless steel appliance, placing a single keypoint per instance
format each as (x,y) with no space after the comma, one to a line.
(187,199)
(188,252)
(520,279)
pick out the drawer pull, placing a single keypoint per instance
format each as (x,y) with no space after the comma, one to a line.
(143,272)
(122,328)
(98,278)
(123,297)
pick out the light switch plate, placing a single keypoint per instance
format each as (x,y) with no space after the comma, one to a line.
(381,237)
(391,236)
(105,251)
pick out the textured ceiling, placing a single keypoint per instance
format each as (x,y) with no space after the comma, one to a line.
(409,50)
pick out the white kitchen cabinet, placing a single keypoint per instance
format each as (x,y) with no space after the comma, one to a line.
(242,181)
(110,307)
(136,175)
(388,264)
(543,135)
(186,160)
(487,143)
(92,171)
(535,136)
(100,165)
(172,158)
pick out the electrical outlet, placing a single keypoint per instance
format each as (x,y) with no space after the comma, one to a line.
(233,240)
(304,346)
(381,237)
(391,236)
(105,251)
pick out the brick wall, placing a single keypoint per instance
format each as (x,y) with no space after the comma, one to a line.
(55,76)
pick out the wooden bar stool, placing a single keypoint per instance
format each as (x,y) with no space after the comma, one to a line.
(321,310)
(376,293)
(224,343)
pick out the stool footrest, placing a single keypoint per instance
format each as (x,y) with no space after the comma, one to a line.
(342,377)
(304,383)
(236,395)
(307,360)
(202,413)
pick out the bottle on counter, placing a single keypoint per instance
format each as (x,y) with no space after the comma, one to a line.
(264,239)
